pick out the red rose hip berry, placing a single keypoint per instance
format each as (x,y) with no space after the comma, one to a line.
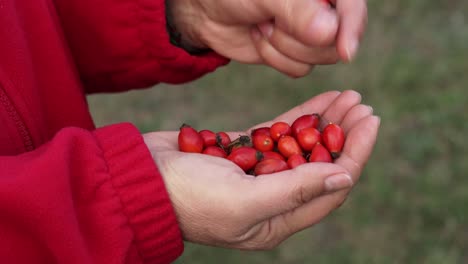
(320,154)
(260,130)
(189,140)
(263,142)
(209,137)
(223,140)
(296,160)
(272,155)
(288,146)
(333,138)
(308,137)
(279,129)
(215,151)
(269,166)
(305,121)
(245,157)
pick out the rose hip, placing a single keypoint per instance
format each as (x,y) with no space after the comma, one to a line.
(189,140)
(215,151)
(296,160)
(279,129)
(260,130)
(308,137)
(269,166)
(263,142)
(223,140)
(209,137)
(320,154)
(305,121)
(272,155)
(288,146)
(333,139)
(245,157)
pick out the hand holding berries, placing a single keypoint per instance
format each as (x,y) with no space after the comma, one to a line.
(215,194)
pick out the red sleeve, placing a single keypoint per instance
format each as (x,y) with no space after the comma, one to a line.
(86,197)
(123,44)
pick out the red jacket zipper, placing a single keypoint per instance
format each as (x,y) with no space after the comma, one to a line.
(16,118)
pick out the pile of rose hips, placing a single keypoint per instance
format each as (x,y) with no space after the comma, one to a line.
(269,149)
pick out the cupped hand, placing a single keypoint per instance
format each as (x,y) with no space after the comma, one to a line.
(218,204)
(289,35)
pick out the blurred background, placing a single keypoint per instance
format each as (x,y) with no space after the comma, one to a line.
(411,205)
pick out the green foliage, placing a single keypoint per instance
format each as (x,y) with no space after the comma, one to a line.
(411,205)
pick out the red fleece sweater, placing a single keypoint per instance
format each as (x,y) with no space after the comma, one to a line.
(71,193)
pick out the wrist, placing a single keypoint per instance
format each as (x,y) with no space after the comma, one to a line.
(182,22)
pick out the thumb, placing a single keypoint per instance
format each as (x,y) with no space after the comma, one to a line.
(281,192)
(313,22)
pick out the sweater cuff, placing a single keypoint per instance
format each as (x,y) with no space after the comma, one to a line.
(142,192)
(175,65)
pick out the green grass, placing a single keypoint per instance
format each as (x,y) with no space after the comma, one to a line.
(411,205)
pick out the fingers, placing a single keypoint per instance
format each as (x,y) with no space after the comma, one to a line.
(353,19)
(313,23)
(276,59)
(359,144)
(340,106)
(292,48)
(305,216)
(358,147)
(316,23)
(284,191)
(356,113)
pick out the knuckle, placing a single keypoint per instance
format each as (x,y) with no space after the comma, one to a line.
(300,195)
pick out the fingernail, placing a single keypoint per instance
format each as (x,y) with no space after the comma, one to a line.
(351,49)
(256,35)
(266,29)
(338,182)
(371,109)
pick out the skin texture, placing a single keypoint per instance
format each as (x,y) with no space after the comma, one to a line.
(289,35)
(272,207)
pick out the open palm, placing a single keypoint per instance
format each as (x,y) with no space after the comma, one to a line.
(218,204)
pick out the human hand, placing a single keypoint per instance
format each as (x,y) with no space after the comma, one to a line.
(218,204)
(296,34)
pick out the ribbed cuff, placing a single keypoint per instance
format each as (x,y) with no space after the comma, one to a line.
(176,64)
(141,189)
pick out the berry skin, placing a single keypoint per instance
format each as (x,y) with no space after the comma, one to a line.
(272,155)
(223,140)
(263,142)
(288,146)
(215,151)
(320,154)
(209,137)
(279,129)
(333,138)
(308,137)
(305,121)
(189,140)
(296,160)
(245,157)
(269,166)
(260,130)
